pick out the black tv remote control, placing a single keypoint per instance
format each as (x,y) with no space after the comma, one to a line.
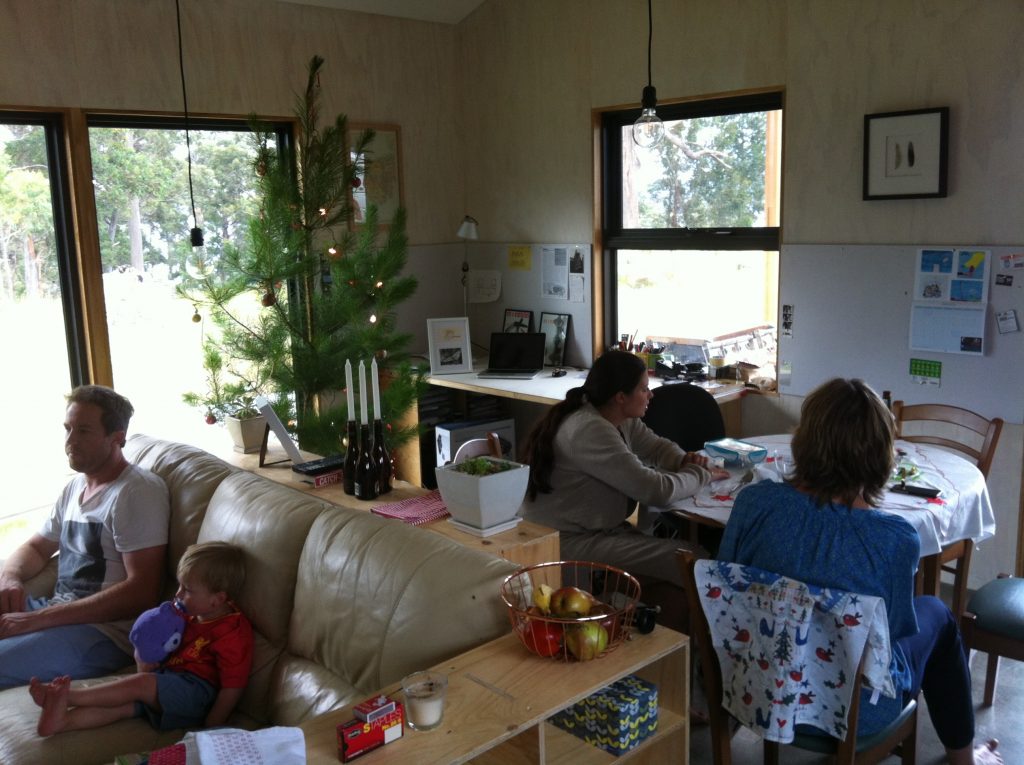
(916,491)
(320,466)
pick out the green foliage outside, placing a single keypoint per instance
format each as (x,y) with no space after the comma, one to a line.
(327,294)
(713,174)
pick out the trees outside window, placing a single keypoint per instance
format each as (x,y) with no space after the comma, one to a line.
(691,228)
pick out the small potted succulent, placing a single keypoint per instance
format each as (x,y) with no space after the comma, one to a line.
(231,401)
(483,494)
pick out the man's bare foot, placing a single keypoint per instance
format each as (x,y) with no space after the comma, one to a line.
(37,690)
(986,754)
(55,707)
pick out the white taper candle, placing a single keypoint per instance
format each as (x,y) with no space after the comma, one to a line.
(362,393)
(375,378)
(349,398)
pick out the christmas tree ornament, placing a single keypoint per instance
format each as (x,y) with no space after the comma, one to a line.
(196,318)
(269,299)
(356,182)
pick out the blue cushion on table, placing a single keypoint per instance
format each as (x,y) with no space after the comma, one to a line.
(999,606)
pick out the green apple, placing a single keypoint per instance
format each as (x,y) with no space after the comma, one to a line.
(586,641)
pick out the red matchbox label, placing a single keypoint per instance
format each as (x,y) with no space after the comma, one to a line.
(357,737)
(327,479)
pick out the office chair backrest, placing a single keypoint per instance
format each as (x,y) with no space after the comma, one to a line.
(988,430)
(686,414)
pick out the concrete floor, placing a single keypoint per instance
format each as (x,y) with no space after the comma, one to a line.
(1004,720)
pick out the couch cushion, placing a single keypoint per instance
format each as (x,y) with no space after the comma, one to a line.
(400,599)
(270,523)
(192,476)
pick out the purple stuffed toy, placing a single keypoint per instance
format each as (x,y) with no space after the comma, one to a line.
(158,631)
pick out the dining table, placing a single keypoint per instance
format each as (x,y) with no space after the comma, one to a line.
(962,510)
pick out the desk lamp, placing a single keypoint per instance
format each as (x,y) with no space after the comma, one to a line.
(467,230)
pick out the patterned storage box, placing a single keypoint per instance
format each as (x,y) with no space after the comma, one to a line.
(616,718)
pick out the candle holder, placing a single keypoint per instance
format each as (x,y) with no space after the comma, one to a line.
(381,459)
(351,459)
(367,475)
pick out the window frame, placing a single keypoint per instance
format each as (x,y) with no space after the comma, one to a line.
(65,242)
(615,237)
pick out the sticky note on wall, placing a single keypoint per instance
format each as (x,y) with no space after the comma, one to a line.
(520,257)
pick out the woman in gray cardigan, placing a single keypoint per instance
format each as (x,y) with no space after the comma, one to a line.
(591,459)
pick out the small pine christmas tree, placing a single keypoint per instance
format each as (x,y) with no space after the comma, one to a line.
(326,294)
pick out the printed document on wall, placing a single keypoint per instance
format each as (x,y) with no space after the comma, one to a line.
(555,283)
(950,300)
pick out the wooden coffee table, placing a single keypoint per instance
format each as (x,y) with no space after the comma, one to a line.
(500,696)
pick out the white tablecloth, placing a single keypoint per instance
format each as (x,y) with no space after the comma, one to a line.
(962,510)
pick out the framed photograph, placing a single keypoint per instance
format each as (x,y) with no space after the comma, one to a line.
(380,180)
(449,346)
(906,153)
(517,321)
(555,327)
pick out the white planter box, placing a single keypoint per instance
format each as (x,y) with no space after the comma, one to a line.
(247,434)
(483,502)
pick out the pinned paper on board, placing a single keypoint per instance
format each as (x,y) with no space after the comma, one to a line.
(484,286)
(950,299)
(555,283)
(520,257)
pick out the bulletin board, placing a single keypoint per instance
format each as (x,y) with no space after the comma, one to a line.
(950,299)
(851,317)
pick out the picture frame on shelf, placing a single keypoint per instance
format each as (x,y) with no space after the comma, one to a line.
(380,174)
(555,327)
(517,321)
(906,154)
(450,350)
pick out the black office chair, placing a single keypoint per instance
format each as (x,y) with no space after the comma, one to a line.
(688,415)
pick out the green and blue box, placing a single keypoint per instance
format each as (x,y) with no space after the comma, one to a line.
(616,718)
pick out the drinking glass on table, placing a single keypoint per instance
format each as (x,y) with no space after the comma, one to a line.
(780,463)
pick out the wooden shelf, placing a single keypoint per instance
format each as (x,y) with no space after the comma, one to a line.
(500,697)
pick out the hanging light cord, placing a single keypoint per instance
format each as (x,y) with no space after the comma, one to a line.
(184,98)
(650,40)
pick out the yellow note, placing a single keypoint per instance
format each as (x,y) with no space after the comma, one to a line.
(520,257)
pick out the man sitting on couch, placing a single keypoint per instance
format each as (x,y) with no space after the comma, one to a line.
(109,528)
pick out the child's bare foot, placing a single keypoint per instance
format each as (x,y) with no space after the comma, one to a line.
(55,706)
(37,690)
(986,754)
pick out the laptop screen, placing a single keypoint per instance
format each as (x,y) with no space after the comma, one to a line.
(520,351)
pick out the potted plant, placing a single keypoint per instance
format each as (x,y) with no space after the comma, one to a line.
(230,400)
(483,494)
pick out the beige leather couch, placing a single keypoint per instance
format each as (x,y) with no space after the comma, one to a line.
(342,602)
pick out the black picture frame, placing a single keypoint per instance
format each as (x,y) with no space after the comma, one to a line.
(555,327)
(906,154)
(517,321)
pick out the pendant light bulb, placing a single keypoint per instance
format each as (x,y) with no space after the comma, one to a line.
(648,128)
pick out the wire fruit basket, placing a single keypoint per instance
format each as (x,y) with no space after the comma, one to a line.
(571,610)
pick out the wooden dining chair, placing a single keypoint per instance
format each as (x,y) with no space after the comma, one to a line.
(980,447)
(899,737)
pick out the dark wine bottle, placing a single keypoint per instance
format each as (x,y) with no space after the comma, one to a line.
(351,458)
(367,476)
(381,458)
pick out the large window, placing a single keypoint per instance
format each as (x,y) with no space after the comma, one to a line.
(691,229)
(40,339)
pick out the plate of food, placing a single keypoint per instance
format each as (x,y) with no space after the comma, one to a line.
(905,471)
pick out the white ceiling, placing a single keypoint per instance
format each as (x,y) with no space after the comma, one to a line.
(444,11)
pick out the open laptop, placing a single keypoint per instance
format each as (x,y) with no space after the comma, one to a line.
(515,356)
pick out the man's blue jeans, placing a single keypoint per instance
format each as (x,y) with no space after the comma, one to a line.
(78,650)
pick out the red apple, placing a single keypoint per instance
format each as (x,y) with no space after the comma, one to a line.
(586,641)
(570,602)
(542,637)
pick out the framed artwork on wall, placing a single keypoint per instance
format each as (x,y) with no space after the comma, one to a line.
(555,327)
(450,351)
(517,320)
(906,153)
(380,179)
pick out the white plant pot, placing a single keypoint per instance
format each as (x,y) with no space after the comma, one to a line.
(247,434)
(482,502)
